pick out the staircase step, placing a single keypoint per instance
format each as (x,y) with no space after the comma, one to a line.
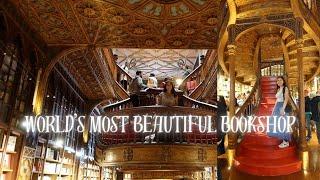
(259,154)
(271,167)
(269,91)
(260,139)
(269,88)
(268,78)
(269,100)
(255,151)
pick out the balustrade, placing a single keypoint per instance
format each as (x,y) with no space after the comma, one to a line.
(251,103)
(188,107)
(272,68)
(314,8)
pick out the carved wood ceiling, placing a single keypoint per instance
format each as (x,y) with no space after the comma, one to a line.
(250,8)
(124,23)
(162,62)
(86,67)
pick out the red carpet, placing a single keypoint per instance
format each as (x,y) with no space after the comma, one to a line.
(259,154)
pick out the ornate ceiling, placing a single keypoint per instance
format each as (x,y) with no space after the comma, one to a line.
(88,70)
(250,8)
(124,23)
(162,62)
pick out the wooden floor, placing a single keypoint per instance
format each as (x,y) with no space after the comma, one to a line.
(312,174)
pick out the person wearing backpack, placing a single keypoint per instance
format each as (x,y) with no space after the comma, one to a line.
(315,109)
(135,87)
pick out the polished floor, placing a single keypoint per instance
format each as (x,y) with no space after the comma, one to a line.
(313,172)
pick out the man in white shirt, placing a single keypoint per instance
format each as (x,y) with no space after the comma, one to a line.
(152,81)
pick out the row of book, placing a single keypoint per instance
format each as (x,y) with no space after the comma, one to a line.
(11,145)
(55,168)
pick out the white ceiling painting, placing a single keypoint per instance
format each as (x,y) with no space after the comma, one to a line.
(162,62)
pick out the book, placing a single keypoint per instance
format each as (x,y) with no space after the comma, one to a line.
(11,146)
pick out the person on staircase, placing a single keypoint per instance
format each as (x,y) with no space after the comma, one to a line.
(308,113)
(315,108)
(135,87)
(278,111)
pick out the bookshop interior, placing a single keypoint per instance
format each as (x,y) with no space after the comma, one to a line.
(64,59)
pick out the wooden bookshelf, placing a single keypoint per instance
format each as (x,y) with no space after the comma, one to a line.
(89,170)
(53,163)
(107,173)
(11,144)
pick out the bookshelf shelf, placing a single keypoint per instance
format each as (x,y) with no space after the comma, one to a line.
(7,170)
(53,160)
(11,152)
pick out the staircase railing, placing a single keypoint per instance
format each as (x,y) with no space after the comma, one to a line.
(124,104)
(123,75)
(200,76)
(189,102)
(310,15)
(208,86)
(252,102)
(313,7)
(190,106)
(193,76)
(116,72)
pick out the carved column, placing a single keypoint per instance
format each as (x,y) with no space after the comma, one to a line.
(302,119)
(232,138)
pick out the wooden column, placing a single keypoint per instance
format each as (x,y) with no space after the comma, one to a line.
(302,119)
(232,138)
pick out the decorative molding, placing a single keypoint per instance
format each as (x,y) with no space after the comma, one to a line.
(166,153)
(284,20)
(202,154)
(128,154)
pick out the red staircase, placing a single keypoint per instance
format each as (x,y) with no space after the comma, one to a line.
(258,154)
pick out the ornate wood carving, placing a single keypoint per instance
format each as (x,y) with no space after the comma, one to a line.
(155,154)
(166,153)
(128,154)
(139,23)
(284,20)
(202,154)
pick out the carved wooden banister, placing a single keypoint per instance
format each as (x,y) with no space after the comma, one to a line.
(122,73)
(113,68)
(204,76)
(134,138)
(207,85)
(310,9)
(194,75)
(251,103)
(198,74)
(124,104)
(189,102)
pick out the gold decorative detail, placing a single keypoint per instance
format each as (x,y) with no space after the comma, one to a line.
(189,31)
(111,23)
(88,9)
(128,154)
(231,49)
(166,153)
(202,154)
(212,21)
(299,43)
(150,42)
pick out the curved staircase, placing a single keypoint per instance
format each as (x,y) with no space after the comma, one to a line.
(259,154)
